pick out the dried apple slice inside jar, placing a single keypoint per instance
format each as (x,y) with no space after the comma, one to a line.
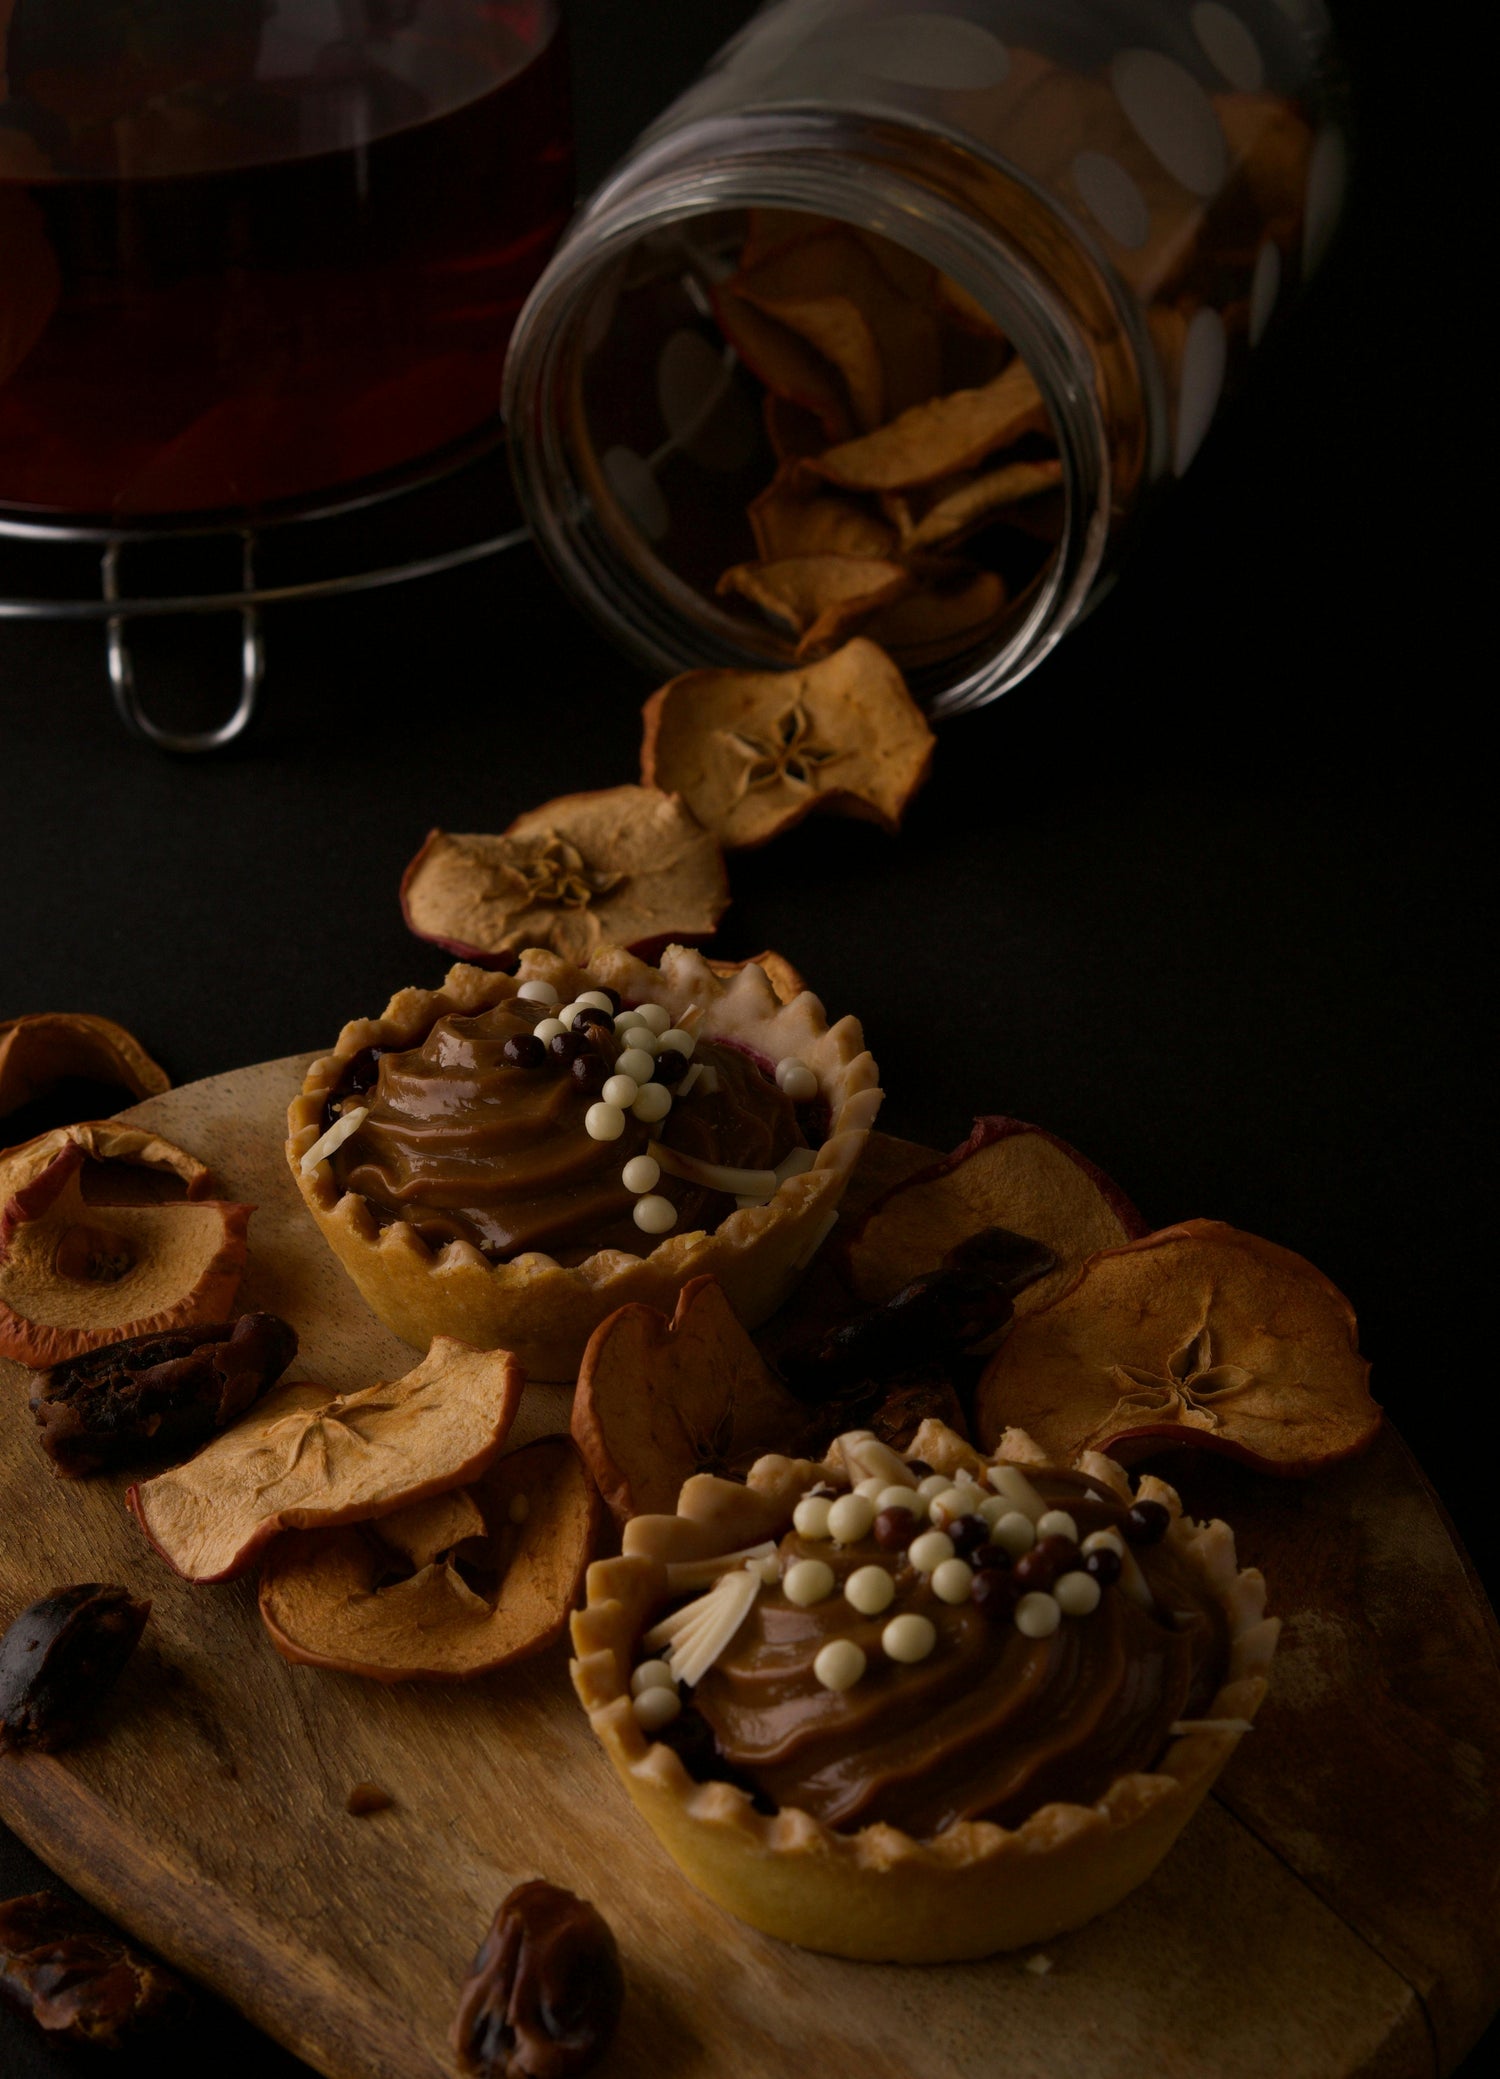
(455,1587)
(306,1457)
(77,1273)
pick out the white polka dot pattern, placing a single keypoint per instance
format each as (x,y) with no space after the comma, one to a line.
(1228,45)
(1203,357)
(1112,198)
(1173,118)
(937,51)
(702,410)
(1265,287)
(629,477)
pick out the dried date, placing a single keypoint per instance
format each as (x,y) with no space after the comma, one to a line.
(59,1660)
(157,1395)
(543,1997)
(77,1978)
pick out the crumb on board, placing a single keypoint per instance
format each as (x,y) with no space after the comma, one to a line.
(1039,1965)
(368,1797)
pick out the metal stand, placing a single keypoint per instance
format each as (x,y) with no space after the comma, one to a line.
(115,608)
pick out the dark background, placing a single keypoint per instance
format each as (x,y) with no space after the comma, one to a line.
(1205,895)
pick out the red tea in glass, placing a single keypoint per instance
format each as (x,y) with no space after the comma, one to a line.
(252,250)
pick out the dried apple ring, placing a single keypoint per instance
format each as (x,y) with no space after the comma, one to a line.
(49,1047)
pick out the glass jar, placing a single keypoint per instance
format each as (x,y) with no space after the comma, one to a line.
(1129,190)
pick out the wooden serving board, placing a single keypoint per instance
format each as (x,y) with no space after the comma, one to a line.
(1330,1912)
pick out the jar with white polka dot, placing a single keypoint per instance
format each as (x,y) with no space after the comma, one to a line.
(1119,197)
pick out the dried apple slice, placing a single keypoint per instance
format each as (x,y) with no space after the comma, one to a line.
(306,1457)
(820,599)
(927,625)
(1007,1174)
(659,1400)
(936,439)
(49,1047)
(75,1275)
(789,520)
(498,1591)
(790,369)
(625,866)
(945,513)
(753,752)
(1196,1335)
(126,1152)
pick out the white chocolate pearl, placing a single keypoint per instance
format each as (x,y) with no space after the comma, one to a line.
(871,1489)
(948,1506)
(537,992)
(909,1638)
(567,1014)
(992,1508)
(595,1000)
(1077,1594)
(604,1122)
(679,1041)
(839,1664)
(636,1063)
(850,1517)
(767,1568)
(654,1016)
(641,1173)
(808,1581)
(1015,1532)
(622,1091)
(794,1079)
(952,1580)
(870,1589)
(930,1550)
(652,1674)
(1104,1541)
(935,1483)
(810,1517)
(655,1215)
(548,1029)
(655,1708)
(640,1037)
(654,1102)
(902,1498)
(1038,1615)
(1057,1523)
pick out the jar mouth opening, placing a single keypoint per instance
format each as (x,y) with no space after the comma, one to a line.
(628,395)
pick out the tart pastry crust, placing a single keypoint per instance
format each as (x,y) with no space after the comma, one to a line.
(541,1311)
(878,1894)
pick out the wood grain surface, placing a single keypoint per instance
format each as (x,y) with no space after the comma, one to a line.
(1330,1912)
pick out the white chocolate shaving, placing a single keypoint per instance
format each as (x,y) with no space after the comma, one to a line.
(1010,1481)
(868,1459)
(702,1573)
(693,1076)
(714,1176)
(723,1610)
(335,1138)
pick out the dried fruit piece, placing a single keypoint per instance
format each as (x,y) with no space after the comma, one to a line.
(659,1400)
(928,624)
(495,1576)
(141,1167)
(1196,1335)
(75,1274)
(943,513)
(819,599)
(789,519)
(790,369)
(937,439)
(1006,1174)
(157,1394)
(753,752)
(307,1458)
(50,1047)
(627,866)
(59,1660)
(80,1980)
(543,1996)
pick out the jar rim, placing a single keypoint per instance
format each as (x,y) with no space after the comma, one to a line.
(794,159)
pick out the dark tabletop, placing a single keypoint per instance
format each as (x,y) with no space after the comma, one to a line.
(1204,895)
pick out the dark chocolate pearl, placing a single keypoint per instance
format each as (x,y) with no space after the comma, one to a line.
(995,1590)
(613,995)
(1146,1524)
(524,1050)
(1103,1564)
(670,1067)
(1062,1552)
(592,1015)
(587,1074)
(565,1047)
(1036,1568)
(894,1529)
(968,1534)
